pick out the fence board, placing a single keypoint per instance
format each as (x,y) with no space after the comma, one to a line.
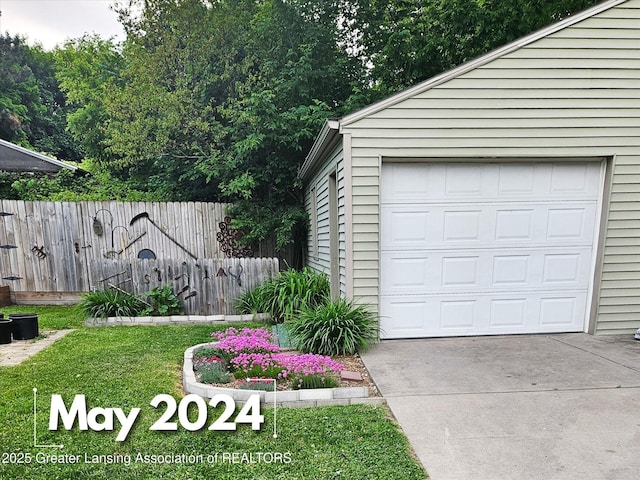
(60,251)
(200,293)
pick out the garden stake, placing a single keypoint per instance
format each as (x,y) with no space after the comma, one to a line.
(124,291)
(146,215)
(112,276)
(132,242)
(237,277)
(184,289)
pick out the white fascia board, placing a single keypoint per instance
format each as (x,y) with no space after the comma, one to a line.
(478,62)
(325,138)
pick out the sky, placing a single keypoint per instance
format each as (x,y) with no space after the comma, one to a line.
(51,22)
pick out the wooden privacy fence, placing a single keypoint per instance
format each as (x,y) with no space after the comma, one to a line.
(49,250)
(205,286)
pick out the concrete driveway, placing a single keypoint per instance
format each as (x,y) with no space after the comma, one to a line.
(544,407)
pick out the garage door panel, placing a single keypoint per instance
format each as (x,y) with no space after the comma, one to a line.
(518,180)
(570,224)
(404,317)
(473,249)
(480,271)
(512,271)
(434,226)
(558,312)
(408,273)
(509,313)
(482,314)
(490,181)
(408,228)
(460,272)
(575,180)
(515,225)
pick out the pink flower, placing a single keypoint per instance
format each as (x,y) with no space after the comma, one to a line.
(246,340)
(254,353)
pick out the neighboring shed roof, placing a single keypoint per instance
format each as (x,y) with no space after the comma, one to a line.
(14,158)
(332,127)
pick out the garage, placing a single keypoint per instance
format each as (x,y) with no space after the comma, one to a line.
(499,197)
(487,248)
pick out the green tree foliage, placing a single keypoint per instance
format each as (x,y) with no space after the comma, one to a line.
(299,76)
(407,41)
(165,128)
(67,186)
(32,108)
(88,70)
(225,107)
(221,100)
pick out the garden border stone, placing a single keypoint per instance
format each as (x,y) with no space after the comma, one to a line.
(287,398)
(174,320)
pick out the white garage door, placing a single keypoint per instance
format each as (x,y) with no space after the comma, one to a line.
(486,248)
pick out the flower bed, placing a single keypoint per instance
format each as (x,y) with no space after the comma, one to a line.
(250,354)
(245,362)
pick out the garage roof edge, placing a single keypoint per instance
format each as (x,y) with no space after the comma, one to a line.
(334,127)
(38,156)
(323,141)
(478,62)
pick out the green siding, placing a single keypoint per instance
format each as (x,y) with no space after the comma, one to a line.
(573,93)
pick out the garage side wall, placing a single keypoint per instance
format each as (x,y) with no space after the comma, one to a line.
(317,207)
(572,94)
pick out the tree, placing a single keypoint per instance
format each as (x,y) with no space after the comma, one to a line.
(32,107)
(88,70)
(220,100)
(407,41)
(223,109)
(301,77)
(165,119)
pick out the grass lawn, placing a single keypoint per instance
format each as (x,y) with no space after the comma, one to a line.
(50,317)
(126,367)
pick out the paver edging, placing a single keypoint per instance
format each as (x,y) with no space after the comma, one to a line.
(174,320)
(286,398)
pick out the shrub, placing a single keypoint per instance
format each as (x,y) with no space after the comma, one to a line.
(283,296)
(111,302)
(253,301)
(214,372)
(163,302)
(334,328)
(205,352)
(314,381)
(258,384)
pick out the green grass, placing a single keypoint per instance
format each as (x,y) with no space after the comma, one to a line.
(51,317)
(126,367)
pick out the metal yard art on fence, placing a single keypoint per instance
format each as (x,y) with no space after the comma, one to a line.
(199,284)
(52,251)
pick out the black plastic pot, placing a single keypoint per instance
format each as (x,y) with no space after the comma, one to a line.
(25,325)
(6,329)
